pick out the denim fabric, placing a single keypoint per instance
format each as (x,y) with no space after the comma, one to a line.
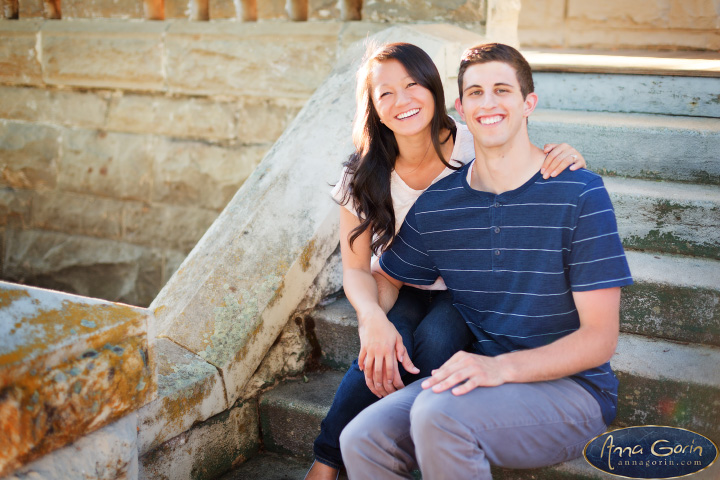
(432,331)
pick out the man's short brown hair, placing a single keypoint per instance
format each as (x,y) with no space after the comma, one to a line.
(498,52)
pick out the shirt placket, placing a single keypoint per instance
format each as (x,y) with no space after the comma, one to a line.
(498,252)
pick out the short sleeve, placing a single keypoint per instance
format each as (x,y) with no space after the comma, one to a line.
(407,260)
(339,192)
(597,257)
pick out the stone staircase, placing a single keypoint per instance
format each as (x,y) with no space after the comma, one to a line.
(655,136)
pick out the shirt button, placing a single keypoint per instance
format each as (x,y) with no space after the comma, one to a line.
(497,252)
(497,229)
(496,205)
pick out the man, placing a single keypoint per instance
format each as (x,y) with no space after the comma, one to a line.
(535,267)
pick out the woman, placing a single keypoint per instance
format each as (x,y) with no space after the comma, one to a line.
(405,141)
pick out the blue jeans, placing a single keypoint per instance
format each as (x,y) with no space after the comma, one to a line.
(432,331)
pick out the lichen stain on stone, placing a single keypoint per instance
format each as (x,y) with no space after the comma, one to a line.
(8,296)
(307,255)
(53,326)
(42,414)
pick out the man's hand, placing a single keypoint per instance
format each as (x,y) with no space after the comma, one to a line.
(381,347)
(475,370)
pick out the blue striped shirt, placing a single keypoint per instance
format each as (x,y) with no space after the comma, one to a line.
(513,260)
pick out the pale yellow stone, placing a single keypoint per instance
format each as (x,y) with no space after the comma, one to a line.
(695,14)
(31,8)
(190,391)
(286,358)
(93,267)
(115,165)
(207,450)
(263,120)
(18,55)
(539,37)
(28,155)
(543,15)
(15,207)
(324,9)
(248,59)
(222,9)
(80,109)
(197,174)
(272,10)
(166,226)
(104,53)
(175,117)
(468,11)
(102,8)
(77,214)
(192,9)
(668,39)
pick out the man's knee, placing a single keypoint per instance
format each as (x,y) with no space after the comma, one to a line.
(434,415)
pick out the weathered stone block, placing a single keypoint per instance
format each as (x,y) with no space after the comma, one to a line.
(106,164)
(18,55)
(207,450)
(272,9)
(222,9)
(87,266)
(110,453)
(77,214)
(103,53)
(324,9)
(286,358)
(695,14)
(190,391)
(175,117)
(619,14)
(31,8)
(166,226)
(467,11)
(197,174)
(234,58)
(102,8)
(328,282)
(263,120)
(68,365)
(178,8)
(542,14)
(28,155)
(15,206)
(81,109)
(602,37)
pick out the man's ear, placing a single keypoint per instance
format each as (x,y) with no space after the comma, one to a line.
(530,103)
(459,108)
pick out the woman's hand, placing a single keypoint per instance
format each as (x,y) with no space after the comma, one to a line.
(381,347)
(558,158)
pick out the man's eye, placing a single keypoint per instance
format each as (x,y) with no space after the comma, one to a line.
(502,90)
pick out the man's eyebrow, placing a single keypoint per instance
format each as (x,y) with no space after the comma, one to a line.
(496,85)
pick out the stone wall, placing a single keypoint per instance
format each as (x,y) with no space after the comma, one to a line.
(612,24)
(120,142)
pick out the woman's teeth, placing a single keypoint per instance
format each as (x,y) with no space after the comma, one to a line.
(407,114)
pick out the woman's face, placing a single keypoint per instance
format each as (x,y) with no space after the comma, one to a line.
(404,106)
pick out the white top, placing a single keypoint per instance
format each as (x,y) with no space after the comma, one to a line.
(403,197)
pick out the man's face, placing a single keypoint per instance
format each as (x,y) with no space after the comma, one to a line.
(493,106)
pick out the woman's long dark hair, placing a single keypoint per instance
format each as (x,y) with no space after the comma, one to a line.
(367,180)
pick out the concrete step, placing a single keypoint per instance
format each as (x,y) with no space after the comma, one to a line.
(674,297)
(661,383)
(656,147)
(273,466)
(667,217)
(627,93)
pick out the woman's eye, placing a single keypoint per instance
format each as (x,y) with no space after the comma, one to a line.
(383,94)
(412,84)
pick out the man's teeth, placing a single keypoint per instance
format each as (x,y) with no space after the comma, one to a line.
(490,120)
(409,113)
